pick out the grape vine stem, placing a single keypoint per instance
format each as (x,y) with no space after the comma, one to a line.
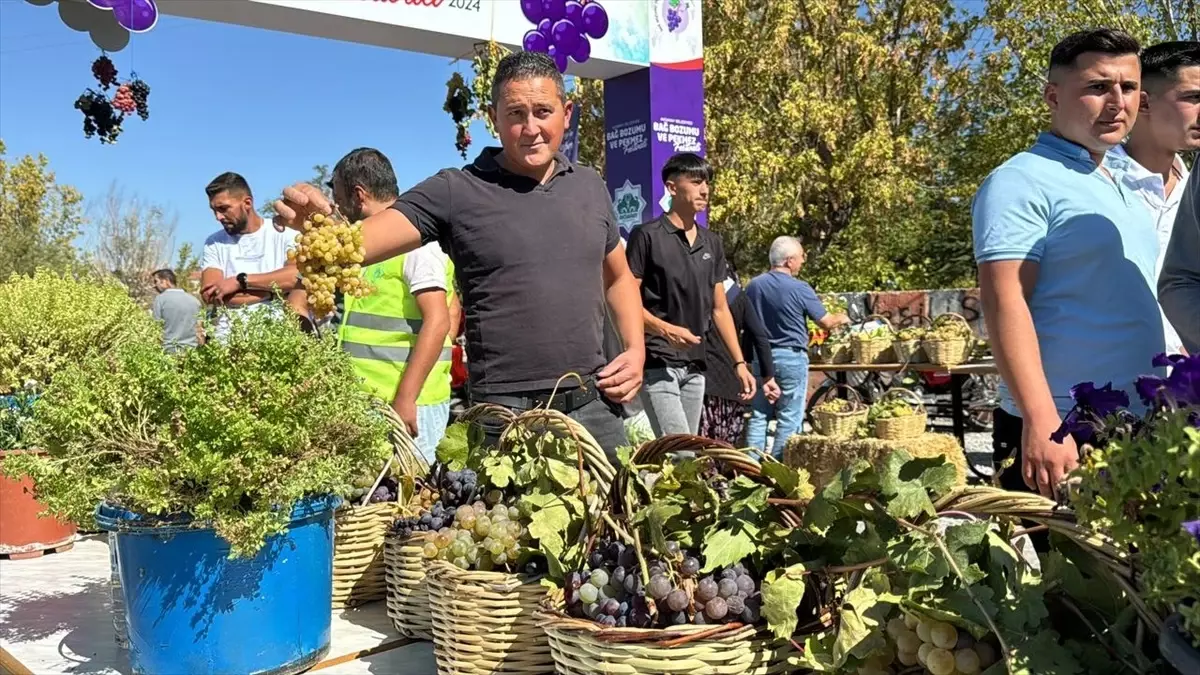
(966,587)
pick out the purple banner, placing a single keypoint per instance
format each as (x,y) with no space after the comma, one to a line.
(627,157)
(570,142)
(676,121)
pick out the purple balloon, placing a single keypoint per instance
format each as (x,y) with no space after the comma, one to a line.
(532,9)
(554,9)
(565,36)
(595,20)
(136,16)
(535,42)
(544,27)
(560,58)
(583,51)
(574,12)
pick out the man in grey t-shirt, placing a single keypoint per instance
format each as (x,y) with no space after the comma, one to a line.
(179,312)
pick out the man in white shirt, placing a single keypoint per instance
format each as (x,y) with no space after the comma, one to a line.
(1168,123)
(245,246)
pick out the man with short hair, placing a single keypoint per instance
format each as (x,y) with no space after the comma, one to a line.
(1066,256)
(785,303)
(536,253)
(244,263)
(398,336)
(680,268)
(1168,123)
(178,310)
(1179,280)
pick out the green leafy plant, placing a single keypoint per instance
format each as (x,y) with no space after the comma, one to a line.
(16,412)
(48,321)
(232,433)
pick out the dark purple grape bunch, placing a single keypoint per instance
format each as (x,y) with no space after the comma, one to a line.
(141,93)
(388,490)
(100,118)
(609,589)
(563,28)
(673,19)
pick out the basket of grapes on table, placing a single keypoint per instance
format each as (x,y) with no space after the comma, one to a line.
(949,341)
(898,415)
(507,515)
(361,526)
(839,417)
(907,343)
(672,583)
(872,343)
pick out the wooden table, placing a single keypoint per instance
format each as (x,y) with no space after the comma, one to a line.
(958,375)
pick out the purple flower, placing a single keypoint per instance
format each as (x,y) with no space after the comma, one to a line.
(1180,388)
(1076,424)
(1102,401)
(1193,528)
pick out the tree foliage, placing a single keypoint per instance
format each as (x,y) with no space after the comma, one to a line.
(133,238)
(39,218)
(321,176)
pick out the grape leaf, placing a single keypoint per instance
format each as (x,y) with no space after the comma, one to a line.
(499,470)
(782,592)
(452,449)
(655,516)
(1038,654)
(1002,564)
(729,544)
(860,618)
(746,494)
(935,473)
(548,525)
(1027,608)
(794,483)
(564,474)
(956,607)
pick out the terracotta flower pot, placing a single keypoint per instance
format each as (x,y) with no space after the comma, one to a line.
(22,533)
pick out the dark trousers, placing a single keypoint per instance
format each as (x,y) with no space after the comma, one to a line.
(1006,442)
(602,418)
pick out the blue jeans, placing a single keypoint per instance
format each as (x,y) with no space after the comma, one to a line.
(791,374)
(431,426)
(673,398)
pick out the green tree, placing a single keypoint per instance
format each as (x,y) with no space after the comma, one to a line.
(39,218)
(132,239)
(321,176)
(187,264)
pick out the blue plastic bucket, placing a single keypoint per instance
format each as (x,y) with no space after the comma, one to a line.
(192,610)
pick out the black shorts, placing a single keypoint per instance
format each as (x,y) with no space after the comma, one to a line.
(1006,443)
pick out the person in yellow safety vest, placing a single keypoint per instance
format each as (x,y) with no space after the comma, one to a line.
(398,337)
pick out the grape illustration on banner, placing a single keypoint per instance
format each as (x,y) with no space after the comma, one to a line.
(563,28)
(135,16)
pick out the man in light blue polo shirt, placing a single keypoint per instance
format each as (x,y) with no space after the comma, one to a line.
(1066,258)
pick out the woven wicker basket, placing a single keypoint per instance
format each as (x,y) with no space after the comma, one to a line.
(358,567)
(407,593)
(840,424)
(950,351)
(832,353)
(582,647)
(911,351)
(873,350)
(483,622)
(359,572)
(901,428)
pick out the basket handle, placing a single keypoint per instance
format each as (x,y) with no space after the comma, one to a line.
(857,396)
(907,393)
(951,315)
(882,318)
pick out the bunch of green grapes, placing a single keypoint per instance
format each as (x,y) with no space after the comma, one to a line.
(946,327)
(911,333)
(937,646)
(479,537)
(329,254)
(890,409)
(835,405)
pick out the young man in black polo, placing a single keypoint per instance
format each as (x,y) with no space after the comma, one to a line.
(680,268)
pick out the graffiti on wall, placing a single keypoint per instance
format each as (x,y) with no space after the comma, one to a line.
(904,309)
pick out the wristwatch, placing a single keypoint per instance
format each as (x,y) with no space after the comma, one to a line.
(241,279)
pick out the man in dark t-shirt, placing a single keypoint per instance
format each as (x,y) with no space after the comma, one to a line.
(536,252)
(681,269)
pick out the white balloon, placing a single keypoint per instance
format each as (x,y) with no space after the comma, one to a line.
(110,39)
(79,15)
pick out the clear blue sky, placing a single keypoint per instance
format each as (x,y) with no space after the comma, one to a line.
(214,108)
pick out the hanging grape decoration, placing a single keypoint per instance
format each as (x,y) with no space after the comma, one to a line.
(459,104)
(563,28)
(102,116)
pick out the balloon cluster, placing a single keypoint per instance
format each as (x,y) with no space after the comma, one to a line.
(563,28)
(135,16)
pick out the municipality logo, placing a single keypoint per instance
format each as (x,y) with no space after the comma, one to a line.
(629,204)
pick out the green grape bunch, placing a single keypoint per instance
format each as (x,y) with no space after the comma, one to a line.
(890,409)
(329,255)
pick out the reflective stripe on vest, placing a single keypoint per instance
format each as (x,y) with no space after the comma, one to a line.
(379,331)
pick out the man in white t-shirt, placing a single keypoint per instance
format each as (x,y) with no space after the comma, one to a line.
(246,261)
(1168,123)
